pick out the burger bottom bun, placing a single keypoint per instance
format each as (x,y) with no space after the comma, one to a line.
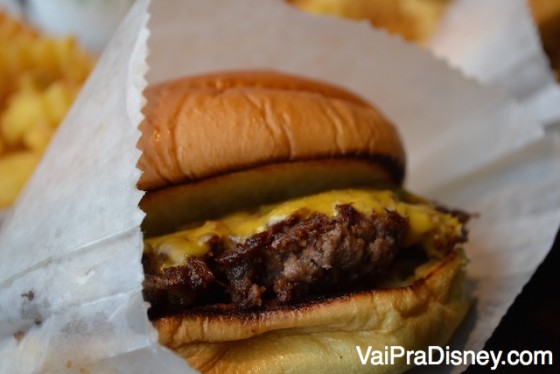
(323,336)
(169,208)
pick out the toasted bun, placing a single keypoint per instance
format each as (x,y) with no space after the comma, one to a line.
(220,142)
(209,198)
(322,336)
(273,118)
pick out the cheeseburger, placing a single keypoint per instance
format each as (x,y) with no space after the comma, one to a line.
(277,235)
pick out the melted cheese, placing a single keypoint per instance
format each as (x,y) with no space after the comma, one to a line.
(426,225)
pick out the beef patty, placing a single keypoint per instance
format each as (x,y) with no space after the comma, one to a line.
(302,255)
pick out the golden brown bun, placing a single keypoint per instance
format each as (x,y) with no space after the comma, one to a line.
(322,337)
(222,142)
(169,208)
(206,126)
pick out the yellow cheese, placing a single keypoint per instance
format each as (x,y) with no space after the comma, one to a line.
(426,224)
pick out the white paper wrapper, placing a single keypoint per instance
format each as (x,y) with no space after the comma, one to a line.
(496,41)
(71,274)
(73,239)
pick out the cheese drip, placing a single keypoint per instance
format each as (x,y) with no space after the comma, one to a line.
(426,225)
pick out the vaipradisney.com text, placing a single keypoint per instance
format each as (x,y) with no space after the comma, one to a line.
(436,355)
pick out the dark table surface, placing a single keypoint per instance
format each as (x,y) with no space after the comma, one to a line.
(533,321)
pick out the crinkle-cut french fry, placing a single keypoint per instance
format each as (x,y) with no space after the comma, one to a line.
(24,109)
(414,20)
(58,99)
(37,138)
(39,78)
(32,107)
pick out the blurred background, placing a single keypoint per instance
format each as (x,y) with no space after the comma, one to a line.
(49,47)
(47,50)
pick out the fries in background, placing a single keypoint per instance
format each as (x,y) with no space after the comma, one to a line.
(39,78)
(414,20)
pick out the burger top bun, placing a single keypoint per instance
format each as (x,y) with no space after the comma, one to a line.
(200,127)
(219,142)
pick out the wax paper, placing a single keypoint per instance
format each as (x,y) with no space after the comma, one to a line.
(71,278)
